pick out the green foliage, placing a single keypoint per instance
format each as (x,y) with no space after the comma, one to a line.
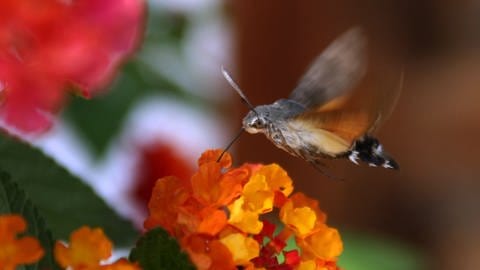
(363,251)
(99,119)
(156,250)
(62,199)
(14,201)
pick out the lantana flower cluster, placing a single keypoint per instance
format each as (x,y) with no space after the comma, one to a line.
(87,250)
(218,216)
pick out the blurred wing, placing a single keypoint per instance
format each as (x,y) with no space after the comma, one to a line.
(352,116)
(334,72)
(346,125)
(387,102)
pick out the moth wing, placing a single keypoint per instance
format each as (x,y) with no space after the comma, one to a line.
(387,101)
(360,112)
(346,125)
(334,72)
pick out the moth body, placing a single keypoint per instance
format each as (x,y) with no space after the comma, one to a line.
(321,117)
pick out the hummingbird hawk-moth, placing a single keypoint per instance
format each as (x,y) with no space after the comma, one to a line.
(319,119)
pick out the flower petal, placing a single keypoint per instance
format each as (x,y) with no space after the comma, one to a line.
(324,244)
(168,195)
(243,248)
(277,178)
(87,248)
(302,214)
(207,253)
(213,221)
(213,155)
(258,195)
(16,251)
(246,221)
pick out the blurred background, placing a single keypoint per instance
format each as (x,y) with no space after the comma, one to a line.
(170,103)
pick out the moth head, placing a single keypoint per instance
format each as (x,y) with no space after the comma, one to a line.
(254,122)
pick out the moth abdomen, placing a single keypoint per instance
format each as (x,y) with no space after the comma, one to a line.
(369,150)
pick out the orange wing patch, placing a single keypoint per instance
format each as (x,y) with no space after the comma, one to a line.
(348,125)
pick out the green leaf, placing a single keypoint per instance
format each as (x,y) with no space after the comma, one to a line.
(14,201)
(62,199)
(156,250)
(99,119)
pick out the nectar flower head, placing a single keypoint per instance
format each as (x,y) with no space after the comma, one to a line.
(324,244)
(302,214)
(168,195)
(16,251)
(207,252)
(242,248)
(258,197)
(87,248)
(217,217)
(197,205)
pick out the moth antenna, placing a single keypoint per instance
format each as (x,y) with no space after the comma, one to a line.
(230,144)
(235,86)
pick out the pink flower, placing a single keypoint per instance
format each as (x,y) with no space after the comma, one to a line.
(50,46)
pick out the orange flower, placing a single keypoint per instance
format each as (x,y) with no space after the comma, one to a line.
(168,194)
(208,253)
(277,178)
(242,248)
(16,251)
(258,197)
(325,244)
(302,215)
(87,248)
(212,187)
(213,155)
(244,220)
(317,265)
(198,205)
(217,218)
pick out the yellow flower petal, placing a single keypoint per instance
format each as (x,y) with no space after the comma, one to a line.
(243,248)
(324,244)
(277,178)
(243,220)
(302,215)
(301,220)
(258,195)
(307,265)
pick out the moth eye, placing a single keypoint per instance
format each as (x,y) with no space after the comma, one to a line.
(258,123)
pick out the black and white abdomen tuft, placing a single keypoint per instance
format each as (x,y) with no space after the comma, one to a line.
(370,151)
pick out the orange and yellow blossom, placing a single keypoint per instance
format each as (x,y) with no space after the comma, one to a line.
(207,252)
(259,196)
(216,216)
(16,251)
(320,244)
(197,206)
(88,248)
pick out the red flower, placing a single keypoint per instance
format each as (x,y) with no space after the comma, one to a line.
(158,160)
(48,46)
